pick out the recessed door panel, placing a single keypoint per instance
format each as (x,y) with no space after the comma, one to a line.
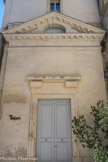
(46,121)
(62,152)
(61,120)
(45,149)
(54,132)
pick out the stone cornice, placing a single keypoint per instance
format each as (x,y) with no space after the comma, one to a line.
(52,18)
(45,37)
(54,78)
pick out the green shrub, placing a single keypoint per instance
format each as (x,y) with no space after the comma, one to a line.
(96,136)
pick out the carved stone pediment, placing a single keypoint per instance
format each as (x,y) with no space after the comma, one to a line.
(31,33)
(53,19)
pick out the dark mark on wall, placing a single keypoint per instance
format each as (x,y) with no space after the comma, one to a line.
(14,117)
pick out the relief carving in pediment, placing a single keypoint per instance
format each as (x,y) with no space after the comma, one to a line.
(38,25)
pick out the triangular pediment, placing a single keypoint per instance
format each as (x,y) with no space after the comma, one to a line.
(38,25)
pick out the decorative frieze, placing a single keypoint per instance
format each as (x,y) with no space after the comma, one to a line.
(44,37)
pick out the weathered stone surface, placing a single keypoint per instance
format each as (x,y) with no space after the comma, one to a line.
(17,98)
(88,159)
(46,61)
(77,159)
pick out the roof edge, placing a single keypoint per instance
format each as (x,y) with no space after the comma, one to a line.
(4,1)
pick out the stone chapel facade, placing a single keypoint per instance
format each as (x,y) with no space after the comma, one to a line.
(52,70)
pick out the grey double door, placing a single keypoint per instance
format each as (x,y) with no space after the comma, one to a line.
(54,132)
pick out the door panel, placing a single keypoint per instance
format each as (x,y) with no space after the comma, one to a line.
(46,151)
(62,131)
(46,121)
(61,120)
(45,136)
(62,152)
(54,139)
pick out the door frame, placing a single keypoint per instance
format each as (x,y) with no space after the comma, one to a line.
(49,91)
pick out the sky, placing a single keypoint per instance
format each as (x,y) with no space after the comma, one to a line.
(1,12)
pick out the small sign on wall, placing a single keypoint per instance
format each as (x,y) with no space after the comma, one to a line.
(14,117)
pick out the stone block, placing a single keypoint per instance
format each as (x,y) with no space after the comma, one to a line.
(71,84)
(88,159)
(36,84)
(77,159)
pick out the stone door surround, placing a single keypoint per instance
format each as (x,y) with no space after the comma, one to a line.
(51,88)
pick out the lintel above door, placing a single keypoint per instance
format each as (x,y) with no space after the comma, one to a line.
(69,81)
